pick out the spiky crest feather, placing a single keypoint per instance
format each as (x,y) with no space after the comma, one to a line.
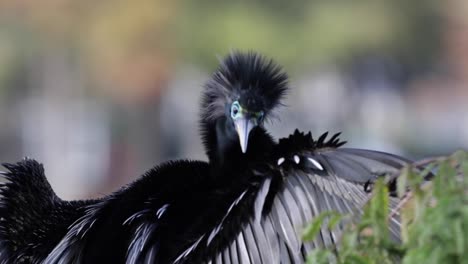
(243,74)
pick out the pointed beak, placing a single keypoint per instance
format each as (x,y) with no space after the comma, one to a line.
(243,127)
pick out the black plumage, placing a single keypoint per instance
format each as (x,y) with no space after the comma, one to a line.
(31,214)
(248,204)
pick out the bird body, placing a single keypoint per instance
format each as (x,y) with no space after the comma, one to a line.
(248,204)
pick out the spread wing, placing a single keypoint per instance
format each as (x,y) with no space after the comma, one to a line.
(126,226)
(296,189)
(32,218)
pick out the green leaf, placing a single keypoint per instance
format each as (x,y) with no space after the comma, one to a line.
(312,230)
(334,220)
(356,259)
(403,182)
(319,257)
(459,237)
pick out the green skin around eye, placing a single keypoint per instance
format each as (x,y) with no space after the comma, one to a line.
(259,115)
(242,112)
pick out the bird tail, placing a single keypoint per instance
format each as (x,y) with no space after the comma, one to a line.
(27,201)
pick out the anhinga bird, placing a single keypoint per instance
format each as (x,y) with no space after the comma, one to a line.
(248,204)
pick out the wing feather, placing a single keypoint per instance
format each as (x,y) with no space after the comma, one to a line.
(227,256)
(233,252)
(242,250)
(303,195)
(272,238)
(284,225)
(264,247)
(252,244)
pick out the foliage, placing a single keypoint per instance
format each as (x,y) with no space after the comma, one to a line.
(434,227)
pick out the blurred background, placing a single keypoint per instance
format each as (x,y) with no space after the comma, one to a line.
(100,91)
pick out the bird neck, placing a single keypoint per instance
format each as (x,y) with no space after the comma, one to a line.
(223,148)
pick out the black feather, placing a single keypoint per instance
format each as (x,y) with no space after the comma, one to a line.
(32,218)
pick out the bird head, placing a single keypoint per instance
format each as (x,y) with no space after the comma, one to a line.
(244,91)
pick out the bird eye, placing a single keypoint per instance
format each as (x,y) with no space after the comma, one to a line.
(260,116)
(235,109)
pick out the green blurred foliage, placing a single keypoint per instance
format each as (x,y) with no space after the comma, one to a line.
(434,221)
(140,40)
(310,32)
